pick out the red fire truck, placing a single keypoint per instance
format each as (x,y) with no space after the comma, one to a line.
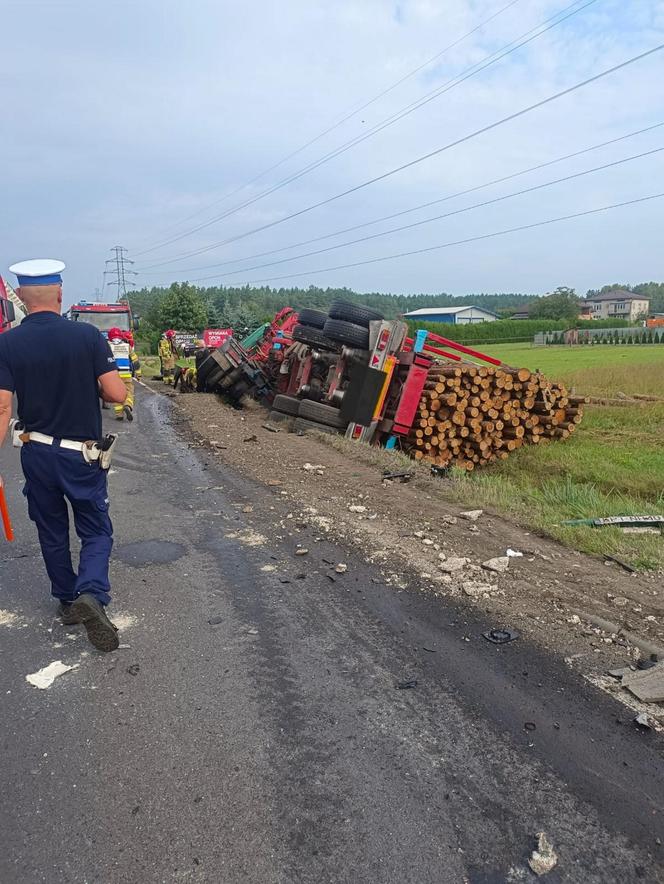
(11,309)
(103,316)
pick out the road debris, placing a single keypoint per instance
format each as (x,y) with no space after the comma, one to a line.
(7,618)
(513,553)
(454,563)
(474,590)
(407,685)
(253,438)
(647,685)
(643,720)
(134,669)
(498,565)
(215,621)
(45,677)
(501,636)
(529,726)
(341,568)
(471,515)
(357,508)
(624,565)
(404,475)
(302,551)
(544,858)
(270,428)
(313,467)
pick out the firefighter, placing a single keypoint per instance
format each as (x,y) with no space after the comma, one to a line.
(168,353)
(129,368)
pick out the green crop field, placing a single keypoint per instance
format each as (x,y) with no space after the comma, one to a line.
(613,465)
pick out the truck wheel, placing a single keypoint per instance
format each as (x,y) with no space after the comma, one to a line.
(278,417)
(300,425)
(312,318)
(313,337)
(321,414)
(347,333)
(286,404)
(355,313)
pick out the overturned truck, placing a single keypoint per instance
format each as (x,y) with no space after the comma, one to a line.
(351,371)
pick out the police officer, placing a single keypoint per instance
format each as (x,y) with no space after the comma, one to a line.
(58,370)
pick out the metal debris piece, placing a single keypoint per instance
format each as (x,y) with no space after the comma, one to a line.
(544,858)
(270,428)
(404,475)
(624,565)
(501,636)
(643,720)
(406,685)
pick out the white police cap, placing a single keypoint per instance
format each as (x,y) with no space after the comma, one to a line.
(39,271)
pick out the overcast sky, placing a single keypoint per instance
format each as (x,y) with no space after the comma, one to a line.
(123,119)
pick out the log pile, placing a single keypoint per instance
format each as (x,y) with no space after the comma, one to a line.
(470,415)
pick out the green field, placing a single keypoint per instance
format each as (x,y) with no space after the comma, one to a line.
(613,465)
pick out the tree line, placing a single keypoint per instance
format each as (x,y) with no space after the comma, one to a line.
(191,308)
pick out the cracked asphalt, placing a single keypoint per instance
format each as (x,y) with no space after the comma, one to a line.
(250,727)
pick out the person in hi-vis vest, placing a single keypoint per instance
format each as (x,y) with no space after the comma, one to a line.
(129,368)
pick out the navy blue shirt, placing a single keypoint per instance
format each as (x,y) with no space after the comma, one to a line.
(52,364)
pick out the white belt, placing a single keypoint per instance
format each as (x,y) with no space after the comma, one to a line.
(91,451)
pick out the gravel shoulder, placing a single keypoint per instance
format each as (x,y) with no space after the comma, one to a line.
(557,598)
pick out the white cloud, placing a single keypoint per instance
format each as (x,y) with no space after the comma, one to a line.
(123,119)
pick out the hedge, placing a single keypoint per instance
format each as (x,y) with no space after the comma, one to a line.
(506,331)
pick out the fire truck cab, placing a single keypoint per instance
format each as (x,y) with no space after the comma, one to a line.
(103,316)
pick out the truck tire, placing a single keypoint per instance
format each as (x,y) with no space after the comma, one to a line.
(347,333)
(300,425)
(314,337)
(238,389)
(278,417)
(286,404)
(321,414)
(312,318)
(355,313)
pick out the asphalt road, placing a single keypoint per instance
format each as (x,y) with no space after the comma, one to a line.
(252,730)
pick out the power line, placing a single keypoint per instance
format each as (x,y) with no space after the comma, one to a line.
(403,227)
(427,156)
(348,115)
(426,205)
(472,71)
(118,271)
(459,242)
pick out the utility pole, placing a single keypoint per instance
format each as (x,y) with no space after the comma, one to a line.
(118,271)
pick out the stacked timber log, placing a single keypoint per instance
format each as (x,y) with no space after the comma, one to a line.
(470,415)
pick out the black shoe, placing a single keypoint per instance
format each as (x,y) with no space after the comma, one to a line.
(101,632)
(129,411)
(66,615)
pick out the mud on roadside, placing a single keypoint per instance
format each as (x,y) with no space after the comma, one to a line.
(548,594)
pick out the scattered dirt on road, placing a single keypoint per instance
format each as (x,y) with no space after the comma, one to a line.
(548,593)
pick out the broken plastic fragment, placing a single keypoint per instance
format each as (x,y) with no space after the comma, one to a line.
(45,677)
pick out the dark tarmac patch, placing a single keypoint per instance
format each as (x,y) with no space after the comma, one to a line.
(149,552)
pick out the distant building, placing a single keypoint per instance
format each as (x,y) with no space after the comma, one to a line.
(521,314)
(452,315)
(617,304)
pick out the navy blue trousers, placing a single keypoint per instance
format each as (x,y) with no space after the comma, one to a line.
(53,476)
